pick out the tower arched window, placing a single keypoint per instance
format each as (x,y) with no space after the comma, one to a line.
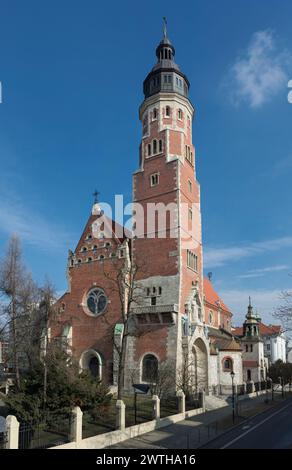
(154,113)
(167,111)
(149,368)
(160,145)
(149,150)
(246,348)
(180,115)
(154,146)
(251,348)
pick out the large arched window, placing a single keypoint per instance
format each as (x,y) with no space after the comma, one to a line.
(149,368)
(154,146)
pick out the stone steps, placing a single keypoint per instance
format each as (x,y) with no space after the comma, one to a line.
(213,402)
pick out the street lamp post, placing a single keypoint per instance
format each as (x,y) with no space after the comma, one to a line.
(233,410)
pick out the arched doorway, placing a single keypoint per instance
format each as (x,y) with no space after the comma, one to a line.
(91,360)
(200,365)
(149,368)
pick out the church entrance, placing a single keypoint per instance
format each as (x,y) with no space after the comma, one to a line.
(200,365)
(90,360)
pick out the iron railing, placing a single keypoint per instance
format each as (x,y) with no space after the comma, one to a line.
(41,435)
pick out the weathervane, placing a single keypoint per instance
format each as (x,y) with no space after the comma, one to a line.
(164,27)
(95,195)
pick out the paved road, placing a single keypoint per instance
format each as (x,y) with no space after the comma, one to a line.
(270,430)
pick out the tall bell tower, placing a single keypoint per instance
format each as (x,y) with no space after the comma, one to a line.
(167,245)
(167,176)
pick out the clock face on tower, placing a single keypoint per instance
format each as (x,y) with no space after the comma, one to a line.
(96,301)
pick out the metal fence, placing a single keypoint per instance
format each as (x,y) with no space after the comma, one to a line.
(192,402)
(99,421)
(257,386)
(3,440)
(43,435)
(168,406)
(249,387)
(240,390)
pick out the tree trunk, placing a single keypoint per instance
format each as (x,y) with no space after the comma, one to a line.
(121,372)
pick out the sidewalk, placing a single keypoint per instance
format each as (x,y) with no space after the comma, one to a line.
(194,432)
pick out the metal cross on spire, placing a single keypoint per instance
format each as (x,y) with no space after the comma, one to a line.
(164,27)
(95,195)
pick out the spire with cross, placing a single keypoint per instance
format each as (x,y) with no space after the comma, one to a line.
(95,195)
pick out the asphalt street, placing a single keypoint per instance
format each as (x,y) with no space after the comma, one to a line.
(269,430)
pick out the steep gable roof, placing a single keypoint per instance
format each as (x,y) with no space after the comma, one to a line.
(212,297)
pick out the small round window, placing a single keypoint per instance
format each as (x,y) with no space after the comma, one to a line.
(96,301)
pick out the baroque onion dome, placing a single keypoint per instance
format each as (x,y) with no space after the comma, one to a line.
(251,324)
(165,76)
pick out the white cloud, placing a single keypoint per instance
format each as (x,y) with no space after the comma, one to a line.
(260,72)
(32,228)
(262,271)
(264,302)
(219,256)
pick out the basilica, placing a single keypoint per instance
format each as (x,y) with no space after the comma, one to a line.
(178,316)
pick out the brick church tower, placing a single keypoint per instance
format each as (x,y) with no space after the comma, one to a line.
(167,246)
(176,315)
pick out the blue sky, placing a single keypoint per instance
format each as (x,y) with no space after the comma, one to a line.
(72,74)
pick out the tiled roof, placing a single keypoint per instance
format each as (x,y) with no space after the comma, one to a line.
(227,345)
(212,297)
(265,330)
(219,333)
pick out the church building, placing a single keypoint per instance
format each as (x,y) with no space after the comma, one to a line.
(178,315)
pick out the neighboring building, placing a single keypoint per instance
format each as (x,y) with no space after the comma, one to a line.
(225,350)
(179,314)
(254,364)
(289,351)
(274,341)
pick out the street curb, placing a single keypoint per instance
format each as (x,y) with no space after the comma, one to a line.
(232,428)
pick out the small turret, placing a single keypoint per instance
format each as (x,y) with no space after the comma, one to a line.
(251,324)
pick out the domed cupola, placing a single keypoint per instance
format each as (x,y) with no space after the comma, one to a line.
(251,324)
(165,76)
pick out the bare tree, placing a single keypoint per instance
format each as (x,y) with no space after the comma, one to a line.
(284,312)
(45,315)
(185,374)
(18,293)
(122,273)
